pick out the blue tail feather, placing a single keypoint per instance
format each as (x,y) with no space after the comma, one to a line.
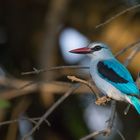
(136,103)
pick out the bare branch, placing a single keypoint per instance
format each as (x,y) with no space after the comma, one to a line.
(33,120)
(132,54)
(38,71)
(100,100)
(127,109)
(106,131)
(112,116)
(122,51)
(94,134)
(49,86)
(138,80)
(51,109)
(117,15)
(91,86)
(120,134)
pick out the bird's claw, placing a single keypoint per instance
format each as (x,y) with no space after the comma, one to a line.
(102,101)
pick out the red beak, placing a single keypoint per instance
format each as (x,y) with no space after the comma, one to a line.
(81,50)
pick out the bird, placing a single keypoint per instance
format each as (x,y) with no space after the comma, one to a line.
(111,77)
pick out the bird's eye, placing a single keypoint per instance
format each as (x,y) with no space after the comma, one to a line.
(96,48)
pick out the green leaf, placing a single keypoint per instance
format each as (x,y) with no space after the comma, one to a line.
(4,104)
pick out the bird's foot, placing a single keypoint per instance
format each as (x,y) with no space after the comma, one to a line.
(102,100)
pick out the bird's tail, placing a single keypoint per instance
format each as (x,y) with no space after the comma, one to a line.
(135,102)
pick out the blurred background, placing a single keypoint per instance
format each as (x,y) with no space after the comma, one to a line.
(39,34)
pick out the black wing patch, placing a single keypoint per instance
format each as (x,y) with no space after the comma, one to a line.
(109,73)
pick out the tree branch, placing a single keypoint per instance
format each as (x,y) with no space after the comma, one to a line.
(117,15)
(134,45)
(33,120)
(51,109)
(106,131)
(38,71)
(91,86)
(122,51)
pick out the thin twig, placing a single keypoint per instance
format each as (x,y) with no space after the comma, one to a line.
(121,135)
(112,116)
(138,80)
(38,71)
(52,87)
(127,109)
(106,131)
(91,86)
(132,55)
(122,51)
(27,85)
(94,134)
(51,109)
(33,120)
(99,100)
(117,15)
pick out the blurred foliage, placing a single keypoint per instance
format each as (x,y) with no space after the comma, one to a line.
(4,104)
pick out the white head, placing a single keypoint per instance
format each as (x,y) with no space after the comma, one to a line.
(95,50)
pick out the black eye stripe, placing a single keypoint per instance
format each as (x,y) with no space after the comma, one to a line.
(96,48)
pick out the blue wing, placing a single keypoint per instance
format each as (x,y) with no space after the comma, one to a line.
(116,74)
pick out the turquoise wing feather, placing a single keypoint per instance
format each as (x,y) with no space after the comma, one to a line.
(117,74)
